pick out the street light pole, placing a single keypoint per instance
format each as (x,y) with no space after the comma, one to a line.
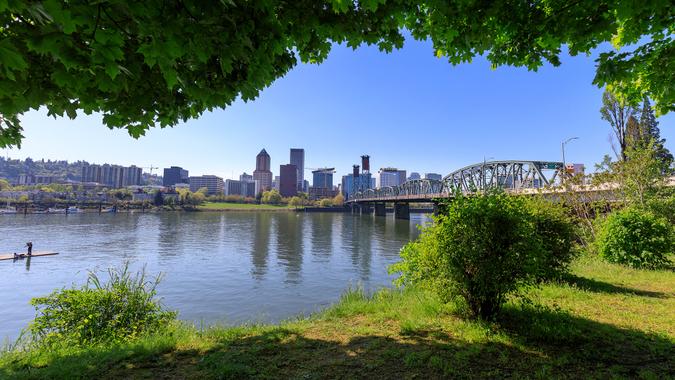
(562,145)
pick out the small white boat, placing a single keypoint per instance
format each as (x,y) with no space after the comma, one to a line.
(73,210)
(54,210)
(8,210)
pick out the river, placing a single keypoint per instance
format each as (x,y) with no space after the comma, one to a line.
(224,268)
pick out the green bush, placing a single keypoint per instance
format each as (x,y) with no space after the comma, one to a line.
(557,233)
(636,238)
(119,310)
(663,205)
(482,248)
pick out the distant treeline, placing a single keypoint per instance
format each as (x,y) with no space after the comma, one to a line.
(61,170)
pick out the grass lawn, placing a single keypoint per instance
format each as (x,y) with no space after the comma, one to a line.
(604,321)
(223,206)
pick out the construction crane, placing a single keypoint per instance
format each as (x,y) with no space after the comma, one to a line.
(150,168)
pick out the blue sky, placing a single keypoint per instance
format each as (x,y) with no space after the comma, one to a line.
(407,109)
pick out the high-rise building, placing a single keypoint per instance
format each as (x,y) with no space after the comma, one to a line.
(131,176)
(288,180)
(174,175)
(414,176)
(248,189)
(298,159)
(390,177)
(112,175)
(352,184)
(262,171)
(214,185)
(246,177)
(232,187)
(323,178)
(433,176)
(275,183)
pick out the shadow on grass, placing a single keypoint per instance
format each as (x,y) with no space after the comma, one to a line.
(535,342)
(605,287)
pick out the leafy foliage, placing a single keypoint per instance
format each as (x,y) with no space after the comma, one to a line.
(481,248)
(620,115)
(271,197)
(339,200)
(119,310)
(153,62)
(636,238)
(62,170)
(557,233)
(662,204)
(650,137)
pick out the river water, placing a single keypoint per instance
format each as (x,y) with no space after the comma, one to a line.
(219,268)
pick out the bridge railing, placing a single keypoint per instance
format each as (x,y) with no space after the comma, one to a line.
(511,175)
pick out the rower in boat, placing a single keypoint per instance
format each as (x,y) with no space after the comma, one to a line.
(29,245)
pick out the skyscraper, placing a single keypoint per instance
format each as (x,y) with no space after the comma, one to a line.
(262,172)
(174,175)
(298,159)
(390,177)
(323,178)
(288,181)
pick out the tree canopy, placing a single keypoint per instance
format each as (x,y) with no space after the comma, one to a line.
(158,62)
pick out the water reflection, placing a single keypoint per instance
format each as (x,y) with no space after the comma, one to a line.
(290,247)
(235,266)
(261,244)
(321,229)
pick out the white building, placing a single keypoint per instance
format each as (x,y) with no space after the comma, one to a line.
(213,184)
(390,177)
(435,176)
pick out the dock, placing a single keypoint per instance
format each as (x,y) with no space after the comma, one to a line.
(10,256)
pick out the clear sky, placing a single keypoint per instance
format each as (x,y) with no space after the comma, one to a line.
(407,109)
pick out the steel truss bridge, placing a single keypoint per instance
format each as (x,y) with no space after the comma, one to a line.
(515,176)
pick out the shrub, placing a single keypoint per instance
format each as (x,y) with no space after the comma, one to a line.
(557,234)
(118,310)
(481,248)
(663,205)
(636,238)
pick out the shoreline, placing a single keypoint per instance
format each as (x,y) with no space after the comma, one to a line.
(406,333)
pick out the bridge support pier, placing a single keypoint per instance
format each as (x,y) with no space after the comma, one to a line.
(380,209)
(401,210)
(366,209)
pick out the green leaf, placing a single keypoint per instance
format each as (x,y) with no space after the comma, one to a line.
(10,57)
(112,70)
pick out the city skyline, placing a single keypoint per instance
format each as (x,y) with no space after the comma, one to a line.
(436,118)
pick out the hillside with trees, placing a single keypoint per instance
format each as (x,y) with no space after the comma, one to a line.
(10,169)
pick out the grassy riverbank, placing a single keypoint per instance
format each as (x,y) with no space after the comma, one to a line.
(224,206)
(604,321)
